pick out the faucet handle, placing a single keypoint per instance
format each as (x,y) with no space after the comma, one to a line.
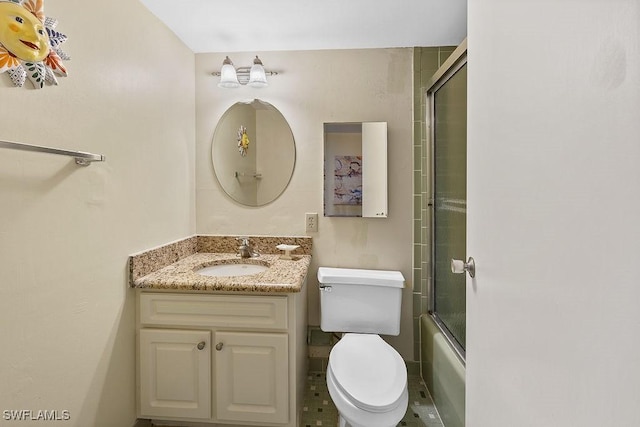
(244,241)
(245,250)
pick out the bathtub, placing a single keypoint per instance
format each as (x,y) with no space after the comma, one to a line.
(443,373)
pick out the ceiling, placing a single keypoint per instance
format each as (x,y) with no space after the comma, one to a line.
(275,25)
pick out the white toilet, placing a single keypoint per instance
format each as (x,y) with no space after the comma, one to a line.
(366,377)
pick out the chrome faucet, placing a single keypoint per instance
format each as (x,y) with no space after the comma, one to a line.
(245,250)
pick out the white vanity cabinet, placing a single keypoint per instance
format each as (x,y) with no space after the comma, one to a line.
(175,373)
(221,359)
(252,377)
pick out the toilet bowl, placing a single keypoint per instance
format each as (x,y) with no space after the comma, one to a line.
(367,381)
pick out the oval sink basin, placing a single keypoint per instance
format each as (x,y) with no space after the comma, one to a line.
(232,270)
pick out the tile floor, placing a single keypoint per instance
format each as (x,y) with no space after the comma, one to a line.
(318,409)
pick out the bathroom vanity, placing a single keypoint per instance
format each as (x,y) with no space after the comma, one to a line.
(221,350)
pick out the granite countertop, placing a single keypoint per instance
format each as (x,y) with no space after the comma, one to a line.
(282,275)
(172,267)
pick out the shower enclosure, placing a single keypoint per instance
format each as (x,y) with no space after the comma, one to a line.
(440,220)
(447,100)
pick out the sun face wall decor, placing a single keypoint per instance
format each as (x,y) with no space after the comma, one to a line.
(29,43)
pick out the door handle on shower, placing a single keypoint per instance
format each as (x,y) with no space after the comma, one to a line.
(459,267)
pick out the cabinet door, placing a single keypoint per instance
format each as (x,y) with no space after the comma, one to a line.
(175,373)
(374,170)
(252,377)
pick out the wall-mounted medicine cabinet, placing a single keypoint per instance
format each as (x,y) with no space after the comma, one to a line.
(355,169)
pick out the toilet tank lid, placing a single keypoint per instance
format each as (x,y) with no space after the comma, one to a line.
(352,276)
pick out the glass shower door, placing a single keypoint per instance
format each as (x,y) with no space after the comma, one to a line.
(449,186)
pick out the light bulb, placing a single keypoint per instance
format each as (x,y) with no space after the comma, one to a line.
(257,75)
(228,76)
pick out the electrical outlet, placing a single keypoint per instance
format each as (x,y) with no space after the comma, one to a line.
(311,221)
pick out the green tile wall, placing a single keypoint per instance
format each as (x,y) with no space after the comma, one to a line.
(426,61)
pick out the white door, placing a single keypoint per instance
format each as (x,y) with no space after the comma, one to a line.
(252,377)
(175,373)
(553,315)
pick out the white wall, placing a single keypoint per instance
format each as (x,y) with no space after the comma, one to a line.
(66,314)
(315,87)
(554,203)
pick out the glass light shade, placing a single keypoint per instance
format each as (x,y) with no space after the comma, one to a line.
(228,76)
(257,75)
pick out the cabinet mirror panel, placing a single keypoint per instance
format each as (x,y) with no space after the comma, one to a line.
(253,153)
(355,169)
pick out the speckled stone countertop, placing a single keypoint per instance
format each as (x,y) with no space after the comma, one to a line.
(173,266)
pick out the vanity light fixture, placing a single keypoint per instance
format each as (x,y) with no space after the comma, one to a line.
(254,76)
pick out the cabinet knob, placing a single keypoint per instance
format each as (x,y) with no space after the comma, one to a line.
(219,346)
(201,345)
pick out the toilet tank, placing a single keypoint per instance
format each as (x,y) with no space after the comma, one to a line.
(364,301)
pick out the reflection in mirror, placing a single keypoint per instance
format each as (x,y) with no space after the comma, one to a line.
(253,153)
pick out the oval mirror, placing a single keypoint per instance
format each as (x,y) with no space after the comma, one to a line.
(253,153)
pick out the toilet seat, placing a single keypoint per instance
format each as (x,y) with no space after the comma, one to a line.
(368,372)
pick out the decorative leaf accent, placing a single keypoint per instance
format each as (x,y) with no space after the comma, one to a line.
(18,76)
(36,7)
(62,54)
(56,38)
(50,23)
(50,77)
(7,60)
(54,62)
(36,73)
